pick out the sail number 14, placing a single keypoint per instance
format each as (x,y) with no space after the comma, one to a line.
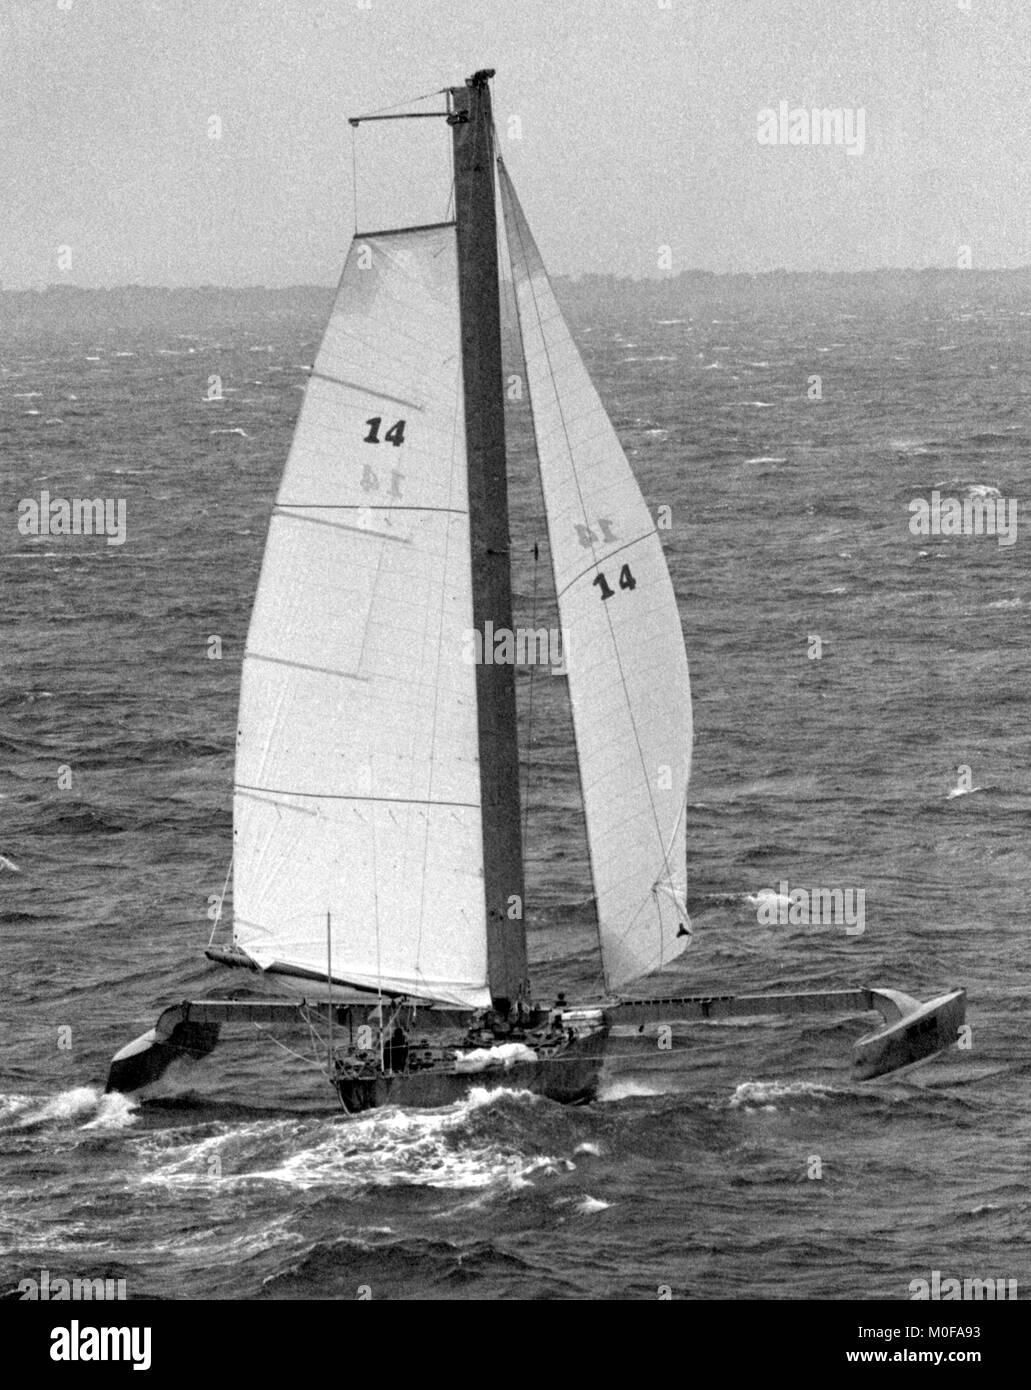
(395,435)
(626,581)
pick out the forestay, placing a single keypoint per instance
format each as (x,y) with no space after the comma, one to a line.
(357,782)
(628,677)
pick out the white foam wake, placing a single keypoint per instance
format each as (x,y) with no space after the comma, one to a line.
(382,1148)
(766,1094)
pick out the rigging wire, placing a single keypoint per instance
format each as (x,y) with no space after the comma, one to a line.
(271,1037)
(383,110)
(221,900)
(317,1043)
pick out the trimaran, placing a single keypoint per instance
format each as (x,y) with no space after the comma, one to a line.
(378,856)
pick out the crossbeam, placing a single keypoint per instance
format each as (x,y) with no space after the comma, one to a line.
(824,1001)
(911,1031)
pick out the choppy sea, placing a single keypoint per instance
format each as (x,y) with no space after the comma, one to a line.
(895,761)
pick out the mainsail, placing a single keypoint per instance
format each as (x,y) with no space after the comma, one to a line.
(357,793)
(628,677)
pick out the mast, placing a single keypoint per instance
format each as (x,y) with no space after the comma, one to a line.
(480,315)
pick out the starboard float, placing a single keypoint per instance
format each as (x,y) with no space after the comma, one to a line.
(378,854)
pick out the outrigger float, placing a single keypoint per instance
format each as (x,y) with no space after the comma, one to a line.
(378,837)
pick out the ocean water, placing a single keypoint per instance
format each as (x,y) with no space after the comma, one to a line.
(748,1165)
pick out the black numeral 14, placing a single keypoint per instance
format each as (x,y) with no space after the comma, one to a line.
(395,435)
(626,581)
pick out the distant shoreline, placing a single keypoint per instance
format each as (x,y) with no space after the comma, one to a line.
(590,298)
(588,280)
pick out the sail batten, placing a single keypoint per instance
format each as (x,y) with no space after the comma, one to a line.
(357,793)
(627,669)
(365,390)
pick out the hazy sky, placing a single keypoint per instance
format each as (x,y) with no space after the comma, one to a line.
(638,119)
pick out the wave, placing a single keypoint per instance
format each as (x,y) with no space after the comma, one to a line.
(68,1108)
(969,486)
(80,821)
(389,1147)
(588,1205)
(987,439)
(626,1088)
(913,446)
(369,1266)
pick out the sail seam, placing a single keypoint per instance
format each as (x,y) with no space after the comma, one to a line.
(359,507)
(421,346)
(403,323)
(341,796)
(419,343)
(402,275)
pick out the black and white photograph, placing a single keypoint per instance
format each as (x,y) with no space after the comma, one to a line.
(515,758)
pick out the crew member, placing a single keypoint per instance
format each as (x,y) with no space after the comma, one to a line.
(397,1050)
